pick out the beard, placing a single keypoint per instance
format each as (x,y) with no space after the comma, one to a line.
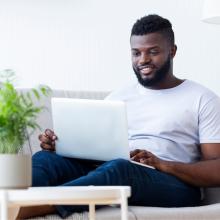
(159,74)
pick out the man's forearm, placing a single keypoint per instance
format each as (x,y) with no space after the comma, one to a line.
(203,174)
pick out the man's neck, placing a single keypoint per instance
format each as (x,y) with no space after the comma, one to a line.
(170,82)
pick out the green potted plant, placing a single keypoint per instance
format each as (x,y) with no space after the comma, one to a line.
(17,121)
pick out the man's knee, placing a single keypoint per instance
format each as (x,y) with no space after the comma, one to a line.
(117,164)
(116,172)
(42,154)
(44,157)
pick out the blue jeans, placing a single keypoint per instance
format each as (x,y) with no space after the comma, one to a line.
(149,187)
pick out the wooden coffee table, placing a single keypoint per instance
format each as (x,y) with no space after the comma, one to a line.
(83,195)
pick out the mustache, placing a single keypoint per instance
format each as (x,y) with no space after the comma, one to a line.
(143,66)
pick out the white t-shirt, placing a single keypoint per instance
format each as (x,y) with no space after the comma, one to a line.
(171,123)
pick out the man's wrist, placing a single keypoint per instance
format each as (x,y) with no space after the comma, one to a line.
(166,166)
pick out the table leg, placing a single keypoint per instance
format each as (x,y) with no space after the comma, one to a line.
(13,212)
(4,207)
(124,206)
(91,211)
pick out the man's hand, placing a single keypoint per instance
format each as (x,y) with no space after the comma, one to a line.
(47,140)
(146,157)
(204,173)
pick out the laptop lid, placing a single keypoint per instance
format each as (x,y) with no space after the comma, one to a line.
(90,129)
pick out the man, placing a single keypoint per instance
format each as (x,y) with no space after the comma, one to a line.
(174,125)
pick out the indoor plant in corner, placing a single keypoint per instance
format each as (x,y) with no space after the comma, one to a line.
(17,116)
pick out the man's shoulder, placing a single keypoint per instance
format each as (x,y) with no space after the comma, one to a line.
(201,97)
(200,89)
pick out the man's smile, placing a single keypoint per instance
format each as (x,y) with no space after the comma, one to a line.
(146,70)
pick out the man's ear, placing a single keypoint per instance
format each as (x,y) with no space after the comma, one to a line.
(173,51)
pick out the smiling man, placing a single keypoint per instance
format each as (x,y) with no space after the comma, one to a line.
(174,125)
(152,54)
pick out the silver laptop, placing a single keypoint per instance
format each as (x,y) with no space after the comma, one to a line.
(90,129)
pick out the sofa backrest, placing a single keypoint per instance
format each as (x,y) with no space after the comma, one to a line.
(211,195)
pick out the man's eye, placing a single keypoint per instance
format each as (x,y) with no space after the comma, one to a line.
(135,53)
(154,52)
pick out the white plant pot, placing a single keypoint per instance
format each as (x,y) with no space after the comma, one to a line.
(15,171)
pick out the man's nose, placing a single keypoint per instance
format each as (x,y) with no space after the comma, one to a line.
(144,59)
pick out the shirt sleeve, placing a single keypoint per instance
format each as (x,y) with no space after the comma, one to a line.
(209,121)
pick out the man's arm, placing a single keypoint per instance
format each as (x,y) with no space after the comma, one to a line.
(203,173)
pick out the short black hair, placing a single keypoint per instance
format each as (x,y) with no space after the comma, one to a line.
(152,24)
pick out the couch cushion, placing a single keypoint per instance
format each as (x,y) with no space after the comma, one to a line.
(149,213)
(212,195)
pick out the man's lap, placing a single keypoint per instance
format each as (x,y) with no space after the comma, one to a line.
(149,187)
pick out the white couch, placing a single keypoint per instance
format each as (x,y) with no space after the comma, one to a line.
(209,209)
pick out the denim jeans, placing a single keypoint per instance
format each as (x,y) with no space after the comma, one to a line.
(149,187)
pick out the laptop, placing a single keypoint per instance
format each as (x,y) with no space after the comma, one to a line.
(90,129)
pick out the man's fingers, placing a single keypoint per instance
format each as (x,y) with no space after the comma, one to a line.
(47,147)
(135,158)
(50,134)
(145,161)
(135,155)
(40,136)
(134,152)
(143,154)
(149,161)
(45,139)
(54,137)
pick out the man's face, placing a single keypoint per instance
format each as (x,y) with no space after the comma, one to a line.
(151,58)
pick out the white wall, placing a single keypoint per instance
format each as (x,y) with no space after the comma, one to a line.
(84,44)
